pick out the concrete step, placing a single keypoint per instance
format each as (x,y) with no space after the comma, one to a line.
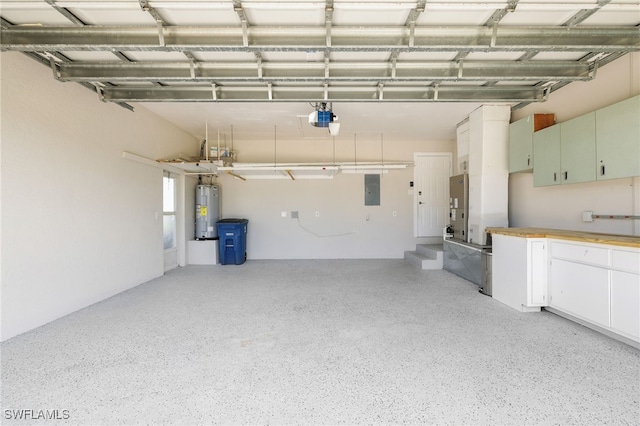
(432,251)
(426,256)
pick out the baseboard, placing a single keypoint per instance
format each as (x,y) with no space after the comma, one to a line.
(597,328)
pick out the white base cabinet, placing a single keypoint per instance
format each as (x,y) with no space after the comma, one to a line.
(625,303)
(519,272)
(595,284)
(580,290)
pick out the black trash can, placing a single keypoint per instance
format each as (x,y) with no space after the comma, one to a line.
(232,241)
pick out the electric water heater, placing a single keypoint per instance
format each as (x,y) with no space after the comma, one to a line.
(207,211)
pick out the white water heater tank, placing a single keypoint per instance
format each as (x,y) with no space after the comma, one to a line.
(207,211)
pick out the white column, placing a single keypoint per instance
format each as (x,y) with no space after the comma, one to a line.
(488,170)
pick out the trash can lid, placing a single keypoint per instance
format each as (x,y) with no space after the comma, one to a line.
(233,220)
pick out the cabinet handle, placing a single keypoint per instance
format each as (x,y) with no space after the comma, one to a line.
(555,177)
(602,170)
(566,175)
(528,161)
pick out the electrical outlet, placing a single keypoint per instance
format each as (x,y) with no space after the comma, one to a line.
(395,213)
(587,216)
(294,214)
(317,214)
(283,214)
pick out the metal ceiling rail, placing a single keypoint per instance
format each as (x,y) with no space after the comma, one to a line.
(317,5)
(272,93)
(305,38)
(315,71)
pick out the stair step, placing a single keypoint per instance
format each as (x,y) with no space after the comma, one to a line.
(432,251)
(422,261)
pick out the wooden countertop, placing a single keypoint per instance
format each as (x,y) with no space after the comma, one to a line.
(561,234)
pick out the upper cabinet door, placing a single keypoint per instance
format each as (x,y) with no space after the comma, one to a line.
(578,149)
(521,140)
(618,140)
(520,145)
(546,149)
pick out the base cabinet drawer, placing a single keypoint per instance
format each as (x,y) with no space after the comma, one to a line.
(580,290)
(582,253)
(625,303)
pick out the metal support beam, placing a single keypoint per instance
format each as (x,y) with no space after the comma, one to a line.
(327,65)
(585,13)
(328,21)
(244,21)
(259,62)
(302,39)
(324,93)
(145,6)
(326,71)
(501,13)
(393,59)
(65,12)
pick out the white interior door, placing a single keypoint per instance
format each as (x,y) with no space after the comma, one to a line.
(431,193)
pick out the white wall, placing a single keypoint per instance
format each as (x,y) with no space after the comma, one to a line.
(345,227)
(562,206)
(79,222)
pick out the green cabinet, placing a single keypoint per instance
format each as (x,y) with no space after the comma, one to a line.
(578,149)
(520,145)
(546,150)
(566,152)
(521,140)
(618,140)
(600,145)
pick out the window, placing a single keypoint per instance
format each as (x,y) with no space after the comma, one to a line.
(169,201)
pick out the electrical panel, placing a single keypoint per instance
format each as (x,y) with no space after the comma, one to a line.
(371,190)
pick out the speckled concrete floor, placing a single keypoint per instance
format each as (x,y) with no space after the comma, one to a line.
(317,342)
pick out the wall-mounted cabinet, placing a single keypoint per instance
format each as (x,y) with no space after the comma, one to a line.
(604,144)
(578,149)
(521,132)
(546,148)
(566,152)
(462,143)
(618,140)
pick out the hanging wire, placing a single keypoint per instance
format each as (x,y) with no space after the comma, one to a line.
(382,155)
(355,151)
(334,150)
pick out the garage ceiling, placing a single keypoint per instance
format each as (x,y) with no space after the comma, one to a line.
(344,52)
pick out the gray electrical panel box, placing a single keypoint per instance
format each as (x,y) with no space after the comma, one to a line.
(371,190)
(207,211)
